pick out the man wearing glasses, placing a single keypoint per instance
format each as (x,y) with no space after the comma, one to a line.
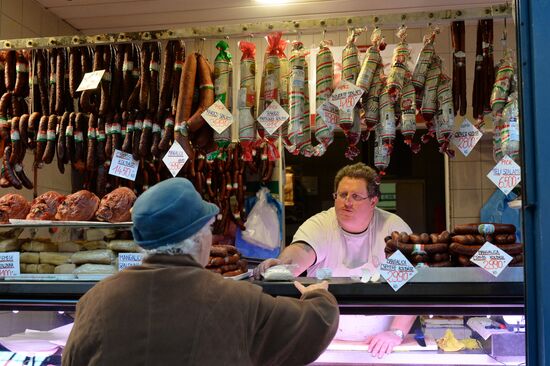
(348,239)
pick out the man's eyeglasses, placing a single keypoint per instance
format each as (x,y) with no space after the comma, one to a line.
(345,195)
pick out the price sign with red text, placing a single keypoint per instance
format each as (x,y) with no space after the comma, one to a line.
(273,117)
(346,96)
(505,175)
(9,264)
(491,258)
(466,137)
(218,117)
(175,158)
(329,114)
(397,270)
(123,165)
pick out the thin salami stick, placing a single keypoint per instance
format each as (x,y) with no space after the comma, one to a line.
(60,82)
(117,79)
(23,128)
(21,88)
(52,62)
(42,79)
(69,140)
(75,71)
(101,139)
(10,70)
(41,140)
(49,152)
(92,143)
(79,159)
(106,83)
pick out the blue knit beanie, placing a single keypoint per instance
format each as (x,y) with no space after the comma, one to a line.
(169,212)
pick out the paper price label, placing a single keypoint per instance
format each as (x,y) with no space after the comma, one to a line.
(397,270)
(491,258)
(175,158)
(128,260)
(505,175)
(346,96)
(218,117)
(329,113)
(273,117)
(466,137)
(124,166)
(9,264)
(90,80)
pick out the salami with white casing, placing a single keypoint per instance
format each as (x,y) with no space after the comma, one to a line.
(429,97)
(371,103)
(324,89)
(247,99)
(297,96)
(304,139)
(509,133)
(399,68)
(387,118)
(445,119)
(223,74)
(408,115)
(423,63)
(381,152)
(371,61)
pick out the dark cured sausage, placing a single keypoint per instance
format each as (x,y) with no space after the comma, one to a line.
(473,229)
(49,152)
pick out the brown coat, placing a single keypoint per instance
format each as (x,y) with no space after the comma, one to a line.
(171,311)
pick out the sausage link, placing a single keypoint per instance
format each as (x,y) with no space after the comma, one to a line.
(49,152)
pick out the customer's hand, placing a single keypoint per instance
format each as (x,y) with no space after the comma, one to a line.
(262,267)
(316,286)
(382,344)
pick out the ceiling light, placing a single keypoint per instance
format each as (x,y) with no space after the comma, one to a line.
(272,2)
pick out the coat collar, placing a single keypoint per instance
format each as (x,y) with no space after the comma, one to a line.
(163,260)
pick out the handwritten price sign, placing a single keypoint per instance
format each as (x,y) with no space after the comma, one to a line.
(9,264)
(466,137)
(329,114)
(346,96)
(175,158)
(397,270)
(273,117)
(218,117)
(91,80)
(123,165)
(505,175)
(491,258)
(128,260)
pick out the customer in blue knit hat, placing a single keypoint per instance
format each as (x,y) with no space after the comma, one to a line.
(172,311)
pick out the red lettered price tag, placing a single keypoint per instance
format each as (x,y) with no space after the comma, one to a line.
(218,117)
(329,114)
(9,264)
(397,270)
(123,165)
(466,137)
(175,158)
(346,96)
(273,117)
(506,174)
(491,258)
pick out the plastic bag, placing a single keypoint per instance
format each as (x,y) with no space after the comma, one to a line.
(262,225)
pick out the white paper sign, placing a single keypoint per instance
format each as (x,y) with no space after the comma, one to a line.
(123,165)
(91,80)
(9,264)
(466,137)
(505,175)
(273,117)
(346,96)
(175,158)
(218,117)
(129,260)
(397,270)
(329,114)
(491,258)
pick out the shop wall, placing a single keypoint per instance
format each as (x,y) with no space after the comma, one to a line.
(22,19)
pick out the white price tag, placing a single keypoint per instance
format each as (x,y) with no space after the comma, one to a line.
(329,114)
(129,260)
(346,96)
(9,264)
(505,175)
(491,258)
(397,270)
(123,165)
(90,80)
(273,117)
(466,137)
(218,117)
(175,158)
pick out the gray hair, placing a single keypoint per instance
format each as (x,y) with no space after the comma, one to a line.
(360,171)
(192,245)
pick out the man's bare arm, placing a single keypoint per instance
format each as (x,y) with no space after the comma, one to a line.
(300,254)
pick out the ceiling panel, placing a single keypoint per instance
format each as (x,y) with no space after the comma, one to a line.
(99,16)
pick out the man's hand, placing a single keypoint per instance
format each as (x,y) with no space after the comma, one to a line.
(262,267)
(382,344)
(316,286)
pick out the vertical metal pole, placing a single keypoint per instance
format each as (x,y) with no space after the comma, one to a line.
(534,52)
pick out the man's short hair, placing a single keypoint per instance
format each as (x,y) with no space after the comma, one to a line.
(360,171)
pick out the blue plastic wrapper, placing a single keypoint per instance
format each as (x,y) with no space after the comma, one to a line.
(496,210)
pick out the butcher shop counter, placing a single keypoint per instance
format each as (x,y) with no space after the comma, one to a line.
(445,291)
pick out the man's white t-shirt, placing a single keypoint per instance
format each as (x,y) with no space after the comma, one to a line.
(346,255)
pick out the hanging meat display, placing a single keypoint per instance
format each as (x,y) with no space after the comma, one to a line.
(323,87)
(297,97)
(247,99)
(459,67)
(484,75)
(223,75)
(444,120)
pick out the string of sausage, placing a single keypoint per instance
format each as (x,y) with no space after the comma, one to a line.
(459,67)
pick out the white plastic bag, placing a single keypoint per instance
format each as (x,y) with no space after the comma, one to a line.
(262,225)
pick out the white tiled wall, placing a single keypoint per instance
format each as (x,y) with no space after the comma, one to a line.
(22,19)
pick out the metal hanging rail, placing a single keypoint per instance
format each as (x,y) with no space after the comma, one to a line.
(246,29)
